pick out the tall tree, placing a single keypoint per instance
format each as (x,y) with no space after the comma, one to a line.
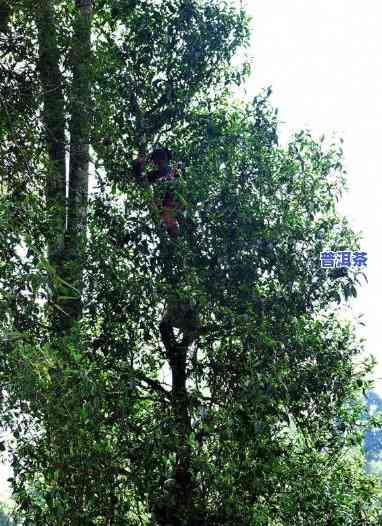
(66,245)
(162,56)
(260,380)
(54,122)
(79,128)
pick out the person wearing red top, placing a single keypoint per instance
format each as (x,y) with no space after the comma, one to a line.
(168,206)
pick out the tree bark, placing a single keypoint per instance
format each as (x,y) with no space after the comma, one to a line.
(179,509)
(79,127)
(68,240)
(54,122)
(53,115)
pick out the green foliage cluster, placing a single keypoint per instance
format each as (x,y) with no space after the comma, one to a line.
(273,391)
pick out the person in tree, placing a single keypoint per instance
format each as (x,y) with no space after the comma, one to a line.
(167,205)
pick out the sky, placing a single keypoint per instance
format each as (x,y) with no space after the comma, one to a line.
(323,59)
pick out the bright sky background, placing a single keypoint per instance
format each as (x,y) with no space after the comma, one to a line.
(323,59)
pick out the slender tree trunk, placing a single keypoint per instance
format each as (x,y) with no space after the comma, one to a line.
(53,114)
(183,477)
(54,123)
(66,243)
(79,128)
(179,511)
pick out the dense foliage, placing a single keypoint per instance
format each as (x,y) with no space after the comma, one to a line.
(207,380)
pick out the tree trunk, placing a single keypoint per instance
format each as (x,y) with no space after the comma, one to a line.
(54,122)
(179,509)
(79,128)
(68,239)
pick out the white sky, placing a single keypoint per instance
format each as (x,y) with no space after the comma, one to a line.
(323,59)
